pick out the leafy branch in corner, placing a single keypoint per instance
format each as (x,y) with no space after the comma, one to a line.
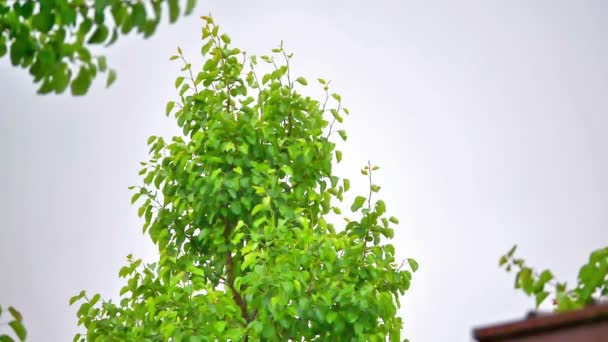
(591,287)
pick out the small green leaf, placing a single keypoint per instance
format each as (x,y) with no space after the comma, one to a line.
(113,38)
(545,276)
(138,15)
(503,260)
(351,316)
(540,297)
(169,107)
(394,220)
(135,197)
(101,63)
(190,4)
(357,203)
(99,35)
(77,297)
(331,317)
(178,81)
(3,48)
(249,259)
(342,134)
(225,38)
(15,313)
(43,21)
(338,156)
(220,326)
(302,81)
(413,264)
(19,329)
(17,50)
(111,77)
(205,49)
(80,85)
(173,10)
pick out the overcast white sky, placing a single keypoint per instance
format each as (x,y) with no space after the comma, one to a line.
(488,119)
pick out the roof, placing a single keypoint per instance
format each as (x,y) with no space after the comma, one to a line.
(588,323)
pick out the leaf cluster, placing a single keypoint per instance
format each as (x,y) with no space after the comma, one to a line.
(239,208)
(52,39)
(591,287)
(15,323)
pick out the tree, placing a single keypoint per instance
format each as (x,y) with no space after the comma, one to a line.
(592,281)
(53,38)
(240,208)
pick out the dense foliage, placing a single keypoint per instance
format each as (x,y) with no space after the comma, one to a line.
(53,38)
(592,281)
(15,324)
(240,209)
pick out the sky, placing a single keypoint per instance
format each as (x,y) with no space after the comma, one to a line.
(488,120)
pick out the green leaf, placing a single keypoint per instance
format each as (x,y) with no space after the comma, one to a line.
(342,134)
(540,297)
(101,63)
(394,220)
(138,15)
(6,338)
(331,317)
(77,297)
(111,77)
(503,260)
(173,10)
(190,4)
(15,313)
(205,49)
(135,197)
(249,259)
(61,79)
(179,81)
(99,35)
(413,264)
(338,156)
(220,326)
(302,81)
(80,85)
(19,329)
(351,316)
(545,276)
(225,38)
(357,203)
(3,48)
(17,51)
(511,251)
(169,107)
(113,38)
(43,21)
